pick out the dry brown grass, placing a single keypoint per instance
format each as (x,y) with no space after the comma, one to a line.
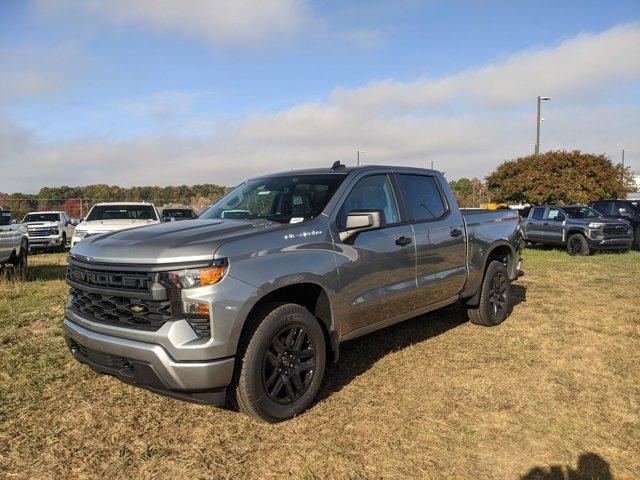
(435,397)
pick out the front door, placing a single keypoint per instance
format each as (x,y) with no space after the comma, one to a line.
(376,268)
(441,269)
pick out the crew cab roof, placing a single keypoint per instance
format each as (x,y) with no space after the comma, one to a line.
(346,170)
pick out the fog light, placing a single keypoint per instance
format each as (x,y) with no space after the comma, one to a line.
(195,308)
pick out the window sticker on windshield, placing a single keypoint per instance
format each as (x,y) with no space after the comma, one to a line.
(264,192)
(296,219)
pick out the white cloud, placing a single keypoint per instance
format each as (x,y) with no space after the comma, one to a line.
(466,123)
(161,105)
(219,22)
(32,71)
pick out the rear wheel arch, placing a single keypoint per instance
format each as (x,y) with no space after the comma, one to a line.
(504,253)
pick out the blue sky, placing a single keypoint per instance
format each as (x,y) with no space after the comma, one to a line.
(121,92)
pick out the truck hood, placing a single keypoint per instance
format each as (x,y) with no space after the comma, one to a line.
(41,224)
(604,220)
(112,225)
(166,243)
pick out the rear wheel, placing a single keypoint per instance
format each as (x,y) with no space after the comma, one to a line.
(495,297)
(283,364)
(63,242)
(577,245)
(636,238)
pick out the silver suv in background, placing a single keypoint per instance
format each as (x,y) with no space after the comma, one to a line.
(49,229)
(250,301)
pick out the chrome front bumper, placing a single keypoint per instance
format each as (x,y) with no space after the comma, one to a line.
(150,366)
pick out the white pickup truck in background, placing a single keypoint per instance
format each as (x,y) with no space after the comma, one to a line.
(14,243)
(114,216)
(48,229)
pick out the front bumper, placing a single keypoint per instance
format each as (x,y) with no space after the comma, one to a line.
(45,242)
(611,243)
(149,366)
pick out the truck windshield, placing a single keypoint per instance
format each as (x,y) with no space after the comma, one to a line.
(581,212)
(122,212)
(41,217)
(282,198)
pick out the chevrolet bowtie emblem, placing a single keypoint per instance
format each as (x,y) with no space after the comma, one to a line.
(137,309)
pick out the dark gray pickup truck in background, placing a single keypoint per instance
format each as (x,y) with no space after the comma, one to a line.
(581,229)
(250,301)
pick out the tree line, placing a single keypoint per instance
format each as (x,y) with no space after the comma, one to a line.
(76,201)
(562,177)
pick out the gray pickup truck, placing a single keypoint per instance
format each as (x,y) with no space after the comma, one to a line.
(581,229)
(14,242)
(249,302)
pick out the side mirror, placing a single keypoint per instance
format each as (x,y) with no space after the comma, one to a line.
(362,221)
(74,222)
(624,212)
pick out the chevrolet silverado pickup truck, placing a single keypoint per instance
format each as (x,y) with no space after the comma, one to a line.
(628,210)
(48,229)
(14,242)
(249,302)
(113,216)
(581,229)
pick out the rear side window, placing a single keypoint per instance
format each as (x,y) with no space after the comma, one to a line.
(538,213)
(422,196)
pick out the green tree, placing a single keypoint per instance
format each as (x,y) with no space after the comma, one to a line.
(560,177)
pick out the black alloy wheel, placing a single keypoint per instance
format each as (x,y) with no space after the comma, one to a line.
(289,364)
(498,294)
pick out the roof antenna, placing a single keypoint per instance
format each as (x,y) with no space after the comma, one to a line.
(337,165)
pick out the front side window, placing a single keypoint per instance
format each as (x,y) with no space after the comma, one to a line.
(538,213)
(41,217)
(422,197)
(122,212)
(371,193)
(581,212)
(177,213)
(281,198)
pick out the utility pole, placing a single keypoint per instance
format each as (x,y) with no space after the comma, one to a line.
(623,158)
(358,152)
(431,164)
(538,121)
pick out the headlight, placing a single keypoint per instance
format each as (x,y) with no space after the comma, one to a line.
(201,277)
(596,225)
(80,234)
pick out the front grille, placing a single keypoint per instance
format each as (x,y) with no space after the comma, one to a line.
(616,231)
(131,281)
(44,232)
(121,311)
(102,359)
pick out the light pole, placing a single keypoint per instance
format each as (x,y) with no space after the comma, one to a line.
(358,152)
(540,99)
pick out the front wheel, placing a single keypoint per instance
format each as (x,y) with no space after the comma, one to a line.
(283,364)
(636,238)
(20,262)
(495,297)
(577,245)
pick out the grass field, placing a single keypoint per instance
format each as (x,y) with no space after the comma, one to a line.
(552,393)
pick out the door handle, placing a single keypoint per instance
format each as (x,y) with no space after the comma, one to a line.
(529,223)
(545,224)
(455,232)
(402,241)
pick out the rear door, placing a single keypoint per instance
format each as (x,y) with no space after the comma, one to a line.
(553,225)
(440,241)
(533,225)
(377,267)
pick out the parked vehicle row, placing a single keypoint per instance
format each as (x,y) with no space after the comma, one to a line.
(580,228)
(249,302)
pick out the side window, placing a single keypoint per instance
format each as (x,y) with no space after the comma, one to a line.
(554,214)
(602,207)
(621,208)
(422,196)
(538,213)
(371,193)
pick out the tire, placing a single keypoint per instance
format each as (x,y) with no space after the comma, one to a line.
(283,364)
(577,245)
(495,297)
(20,262)
(636,238)
(63,243)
